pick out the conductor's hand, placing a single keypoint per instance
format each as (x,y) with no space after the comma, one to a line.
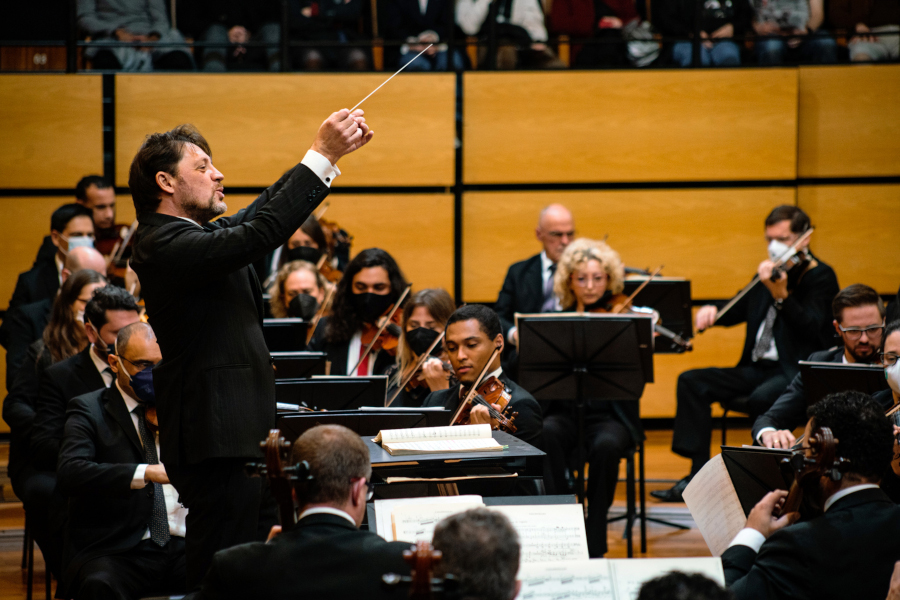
(706,316)
(762,518)
(777,439)
(156,474)
(341,134)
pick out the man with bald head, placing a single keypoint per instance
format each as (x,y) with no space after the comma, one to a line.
(528,287)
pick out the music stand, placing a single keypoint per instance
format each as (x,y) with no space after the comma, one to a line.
(298,365)
(671,298)
(285,335)
(333,393)
(823,378)
(755,472)
(369,423)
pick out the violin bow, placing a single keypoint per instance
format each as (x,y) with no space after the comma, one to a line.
(384,324)
(320,212)
(474,390)
(419,364)
(630,298)
(326,304)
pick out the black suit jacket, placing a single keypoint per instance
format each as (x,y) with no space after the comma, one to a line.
(21,327)
(19,407)
(522,291)
(336,353)
(100,451)
(324,557)
(802,326)
(529,423)
(60,383)
(38,283)
(403,18)
(849,552)
(215,387)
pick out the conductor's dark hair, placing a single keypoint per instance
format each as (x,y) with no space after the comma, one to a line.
(480,548)
(865,436)
(110,297)
(683,586)
(159,152)
(487,319)
(65,213)
(335,456)
(799,219)
(855,295)
(344,322)
(102,183)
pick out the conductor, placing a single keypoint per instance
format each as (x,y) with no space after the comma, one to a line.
(215,386)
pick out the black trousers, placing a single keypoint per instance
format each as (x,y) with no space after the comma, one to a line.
(44,509)
(762,382)
(607,442)
(225,506)
(143,571)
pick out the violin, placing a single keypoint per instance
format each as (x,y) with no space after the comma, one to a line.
(330,273)
(800,258)
(809,465)
(619,303)
(281,477)
(415,381)
(423,585)
(491,391)
(113,248)
(387,335)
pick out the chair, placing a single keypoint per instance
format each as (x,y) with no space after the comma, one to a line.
(28,565)
(740,404)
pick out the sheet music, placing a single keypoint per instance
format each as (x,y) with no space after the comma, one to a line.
(464,445)
(714,505)
(412,523)
(549,532)
(630,574)
(384,508)
(421,434)
(570,580)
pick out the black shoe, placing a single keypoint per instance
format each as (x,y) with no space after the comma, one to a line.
(673,494)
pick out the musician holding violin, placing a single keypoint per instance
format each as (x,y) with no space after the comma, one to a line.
(298,291)
(787,309)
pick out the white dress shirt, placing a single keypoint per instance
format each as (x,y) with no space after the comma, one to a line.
(353,355)
(326,510)
(546,263)
(102,368)
(59,268)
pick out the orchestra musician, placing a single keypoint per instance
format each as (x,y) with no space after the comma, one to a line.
(589,278)
(371,286)
(215,385)
(307,243)
(788,318)
(890,359)
(298,290)
(423,320)
(97,193)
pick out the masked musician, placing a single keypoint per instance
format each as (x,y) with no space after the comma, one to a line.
(788,317)
(473,333)
(423,320)
(890,359)
(298,291)
(307,243)
(371,285)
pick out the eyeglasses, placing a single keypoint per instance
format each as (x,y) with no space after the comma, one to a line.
(558,235)
(371,488)
(141,364)
(583,281)
(889,359)
(854,333)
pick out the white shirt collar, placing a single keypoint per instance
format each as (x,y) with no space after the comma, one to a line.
(326,510)
(99,363)
(844,358)
(846,492)
(59,267)
(130,402)
(496,373)
(190,221)
(546,263)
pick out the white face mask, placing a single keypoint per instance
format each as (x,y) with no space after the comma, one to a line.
(892,374)
(780,250)
(79,316)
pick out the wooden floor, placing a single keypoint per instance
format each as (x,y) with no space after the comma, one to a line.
(662,469)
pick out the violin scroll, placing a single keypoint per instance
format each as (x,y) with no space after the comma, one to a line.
(818,459)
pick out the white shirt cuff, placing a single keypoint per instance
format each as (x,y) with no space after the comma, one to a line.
(748,537)
(321,166)
(762,431)
(137,482)
(509,336)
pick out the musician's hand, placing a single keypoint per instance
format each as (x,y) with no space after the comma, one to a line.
(777,288)
(273,533)
(480,415)
(778,439)
(897,431)
(762,517)
(156,474)
(894,591)
(341,134)
(435,376)
(706,316)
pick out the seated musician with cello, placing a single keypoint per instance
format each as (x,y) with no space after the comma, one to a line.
(849,549)
(589,278)
(417,372)
(298,291)
(356,337)
(474,342)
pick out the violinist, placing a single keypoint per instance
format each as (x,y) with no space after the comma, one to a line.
(97,194)
(849,551)
(473,333)
(371,286)
(589,278)
(422,323)
(298,291)
(307,243)
(890,359)
(788,317)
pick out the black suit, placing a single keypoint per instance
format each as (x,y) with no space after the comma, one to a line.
(802,326)
(323,557)
(336,353)
(215,386)
(849,552)
(522,292)
(100,452)
(38,283)
(21,327)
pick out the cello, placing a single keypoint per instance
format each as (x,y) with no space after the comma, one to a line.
(809,464)
(281,475)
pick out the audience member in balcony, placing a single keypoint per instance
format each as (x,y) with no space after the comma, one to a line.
(419,23)
(611,23)
(717,21)
(328,21)
(868,19)
(109,22)
(781,21)
(234,23)
(520,31)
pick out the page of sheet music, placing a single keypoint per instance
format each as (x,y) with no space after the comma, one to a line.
(415,522)
(628,574)
(569,580)
(383,509)
(714,505)
(463,445)
(548,532)
(420,434)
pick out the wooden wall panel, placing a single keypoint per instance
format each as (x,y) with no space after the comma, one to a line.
(630,126)
(52,130)
(857,230)
(849,121)
(261,125)
(713,237)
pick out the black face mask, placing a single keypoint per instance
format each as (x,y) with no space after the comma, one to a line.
(306,253)
(371,306)
(420,338)
(303,306)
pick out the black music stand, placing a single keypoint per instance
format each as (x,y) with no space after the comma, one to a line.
(755,472)
(671,298)
(823,378)
(333,393)
(298,365)
(285,335)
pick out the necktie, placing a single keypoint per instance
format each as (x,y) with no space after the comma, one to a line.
(765,340)
(159,519)
(549,304)
(363,369)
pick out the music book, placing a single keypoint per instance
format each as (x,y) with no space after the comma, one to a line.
(427,440)
(714,505)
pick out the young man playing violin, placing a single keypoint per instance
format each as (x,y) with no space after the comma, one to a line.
(473,335)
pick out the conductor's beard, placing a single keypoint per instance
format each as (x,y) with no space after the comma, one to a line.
(203,210)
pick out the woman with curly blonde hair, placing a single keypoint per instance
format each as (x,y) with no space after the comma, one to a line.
(298,282)
(589,275)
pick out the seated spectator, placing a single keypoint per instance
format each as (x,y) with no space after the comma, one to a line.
(683,586)
(520,30)
(419,23)
(868,18)
(232,24)
(719,21)
(609,22)
(298,291)
(125,530)
(109,22)
(780,21)
(325,555)
(328,21)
